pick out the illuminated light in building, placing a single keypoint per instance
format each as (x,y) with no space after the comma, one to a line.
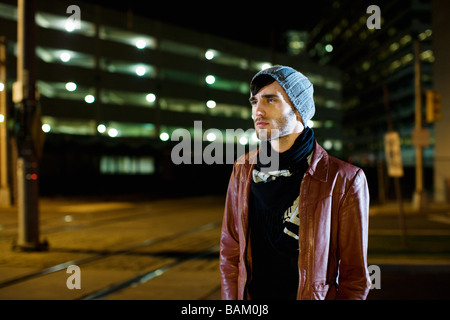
(46,127)
(211,104)
(210,79)
(71,86)
(209,55)
(211,137)
(101,128)
(68,218)
(164,136)
(2,118)
(327,144)
(70,25)
(394,46)
(329,48)
(150,97)
(265,66)
(243,141)
(140,71)
(113,132)
(2,86)
(89,98)
(310,123)
(141,44)
(65,56)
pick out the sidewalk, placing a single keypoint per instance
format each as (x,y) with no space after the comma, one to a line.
(393,208)
(78,228)
(427,234)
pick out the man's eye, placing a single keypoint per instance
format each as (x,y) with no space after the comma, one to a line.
(270,100)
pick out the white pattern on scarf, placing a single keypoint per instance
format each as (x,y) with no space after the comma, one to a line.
(259,176)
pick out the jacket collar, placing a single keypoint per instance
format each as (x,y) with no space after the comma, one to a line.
(319,166)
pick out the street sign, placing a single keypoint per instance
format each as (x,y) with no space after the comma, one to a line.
(393,154)
(421,137)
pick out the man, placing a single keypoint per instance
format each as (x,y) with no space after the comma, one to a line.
(300,231)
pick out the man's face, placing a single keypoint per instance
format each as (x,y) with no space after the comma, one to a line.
(273,114)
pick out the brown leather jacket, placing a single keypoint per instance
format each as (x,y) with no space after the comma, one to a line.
(334,207)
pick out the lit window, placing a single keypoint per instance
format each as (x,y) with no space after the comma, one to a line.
(2,118)
(394,46)
(2,86)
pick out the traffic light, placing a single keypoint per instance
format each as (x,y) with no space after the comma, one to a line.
(433,106)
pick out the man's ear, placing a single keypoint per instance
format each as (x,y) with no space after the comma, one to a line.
(298,116)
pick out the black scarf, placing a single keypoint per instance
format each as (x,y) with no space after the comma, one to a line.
(271,199)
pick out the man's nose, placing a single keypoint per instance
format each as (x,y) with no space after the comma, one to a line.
(259,109)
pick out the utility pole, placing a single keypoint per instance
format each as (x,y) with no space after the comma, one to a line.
(24,93)
(5,192)
(394,161)
(419,196)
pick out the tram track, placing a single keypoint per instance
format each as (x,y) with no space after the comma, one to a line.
(117,251)
(106,254)
(147,276)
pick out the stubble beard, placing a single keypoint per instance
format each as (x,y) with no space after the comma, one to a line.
(283,126)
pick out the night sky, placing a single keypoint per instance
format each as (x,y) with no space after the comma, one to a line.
(259,23)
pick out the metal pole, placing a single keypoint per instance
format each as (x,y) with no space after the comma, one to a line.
(27,164)
(419,194)
(5,192)
(398,189)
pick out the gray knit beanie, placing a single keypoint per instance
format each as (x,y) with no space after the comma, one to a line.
(298,88)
